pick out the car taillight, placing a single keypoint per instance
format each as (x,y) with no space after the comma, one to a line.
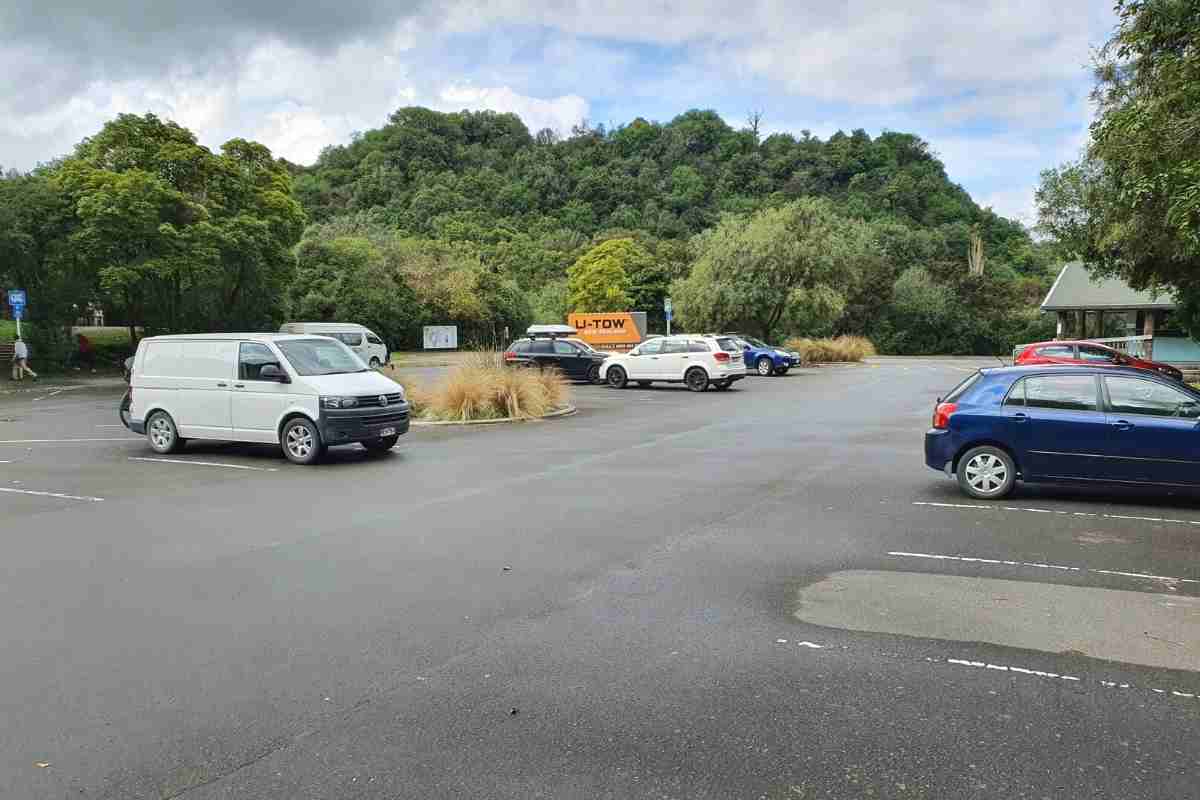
(510,356)
(941,414)
(721,355)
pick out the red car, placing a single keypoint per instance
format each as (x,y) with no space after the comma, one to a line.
(1088,354)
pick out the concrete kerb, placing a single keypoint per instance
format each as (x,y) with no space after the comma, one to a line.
(562,412)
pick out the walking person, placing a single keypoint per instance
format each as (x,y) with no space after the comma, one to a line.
(21,361)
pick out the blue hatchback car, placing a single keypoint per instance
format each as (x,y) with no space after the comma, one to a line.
(1063,424)
(763,358)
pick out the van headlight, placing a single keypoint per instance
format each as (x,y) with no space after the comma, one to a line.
(339,402)
(403,396)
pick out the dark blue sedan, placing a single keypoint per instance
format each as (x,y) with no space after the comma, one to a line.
(1063,424)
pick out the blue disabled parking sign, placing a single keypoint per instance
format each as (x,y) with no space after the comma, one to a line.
(16,301)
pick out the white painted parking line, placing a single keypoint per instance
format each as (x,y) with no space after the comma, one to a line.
(203,464)
(1039,565)
(53,494)
(1033,673)
(1165,520)
(1002,668)
(68,441)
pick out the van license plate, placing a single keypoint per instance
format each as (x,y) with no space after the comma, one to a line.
(386,432)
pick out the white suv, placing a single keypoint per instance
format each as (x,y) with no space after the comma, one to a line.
(698,361)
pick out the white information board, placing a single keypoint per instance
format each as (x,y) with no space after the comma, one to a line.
(441,337)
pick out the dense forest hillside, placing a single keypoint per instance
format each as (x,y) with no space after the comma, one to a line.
(528,206)
(469,219)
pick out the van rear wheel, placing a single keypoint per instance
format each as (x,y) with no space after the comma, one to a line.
(162,433)
(302,441)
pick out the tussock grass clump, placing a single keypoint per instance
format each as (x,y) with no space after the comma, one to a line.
(481,387)
(842,349)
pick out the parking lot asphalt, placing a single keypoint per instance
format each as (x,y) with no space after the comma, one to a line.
(608,605)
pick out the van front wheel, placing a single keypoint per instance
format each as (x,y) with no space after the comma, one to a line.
(375,363)
(301,441)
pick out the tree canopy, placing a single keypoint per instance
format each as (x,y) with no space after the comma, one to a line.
(1130,207)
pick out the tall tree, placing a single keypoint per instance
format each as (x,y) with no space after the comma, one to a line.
(1131,207)
(599,279)
(181,238)
(768,271)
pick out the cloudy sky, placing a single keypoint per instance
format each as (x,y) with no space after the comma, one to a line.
(999,87)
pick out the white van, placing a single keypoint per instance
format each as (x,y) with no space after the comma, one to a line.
(303,392)
(368,345)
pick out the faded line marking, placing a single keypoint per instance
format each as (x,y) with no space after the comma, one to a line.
(1003,668)
(53,494)
(1036,673)
(1062,513)
(1038,565)
(68,441)
(202,464)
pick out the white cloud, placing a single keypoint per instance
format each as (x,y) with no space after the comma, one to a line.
(1017,203)
(558,114)
(996,86)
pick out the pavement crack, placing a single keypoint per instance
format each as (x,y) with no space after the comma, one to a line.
(276,747)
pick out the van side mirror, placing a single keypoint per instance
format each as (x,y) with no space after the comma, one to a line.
(271,372)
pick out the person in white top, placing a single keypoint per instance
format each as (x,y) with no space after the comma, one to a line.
(20,365)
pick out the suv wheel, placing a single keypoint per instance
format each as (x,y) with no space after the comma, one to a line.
(696,379)
(593,375)
(986,473)
(765,367)
(616,377)
(375,363)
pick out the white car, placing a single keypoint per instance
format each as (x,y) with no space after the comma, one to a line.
(365,343)
(698,361)
(305,393)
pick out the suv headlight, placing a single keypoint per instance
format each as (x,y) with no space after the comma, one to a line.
(339,402)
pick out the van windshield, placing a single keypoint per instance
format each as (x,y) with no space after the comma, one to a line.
(320,357)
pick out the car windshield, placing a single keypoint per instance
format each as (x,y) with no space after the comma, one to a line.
(320,356)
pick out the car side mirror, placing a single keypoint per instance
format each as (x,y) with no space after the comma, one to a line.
(272,372)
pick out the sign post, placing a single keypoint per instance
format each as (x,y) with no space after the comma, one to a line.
(667,311)
(16,301)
